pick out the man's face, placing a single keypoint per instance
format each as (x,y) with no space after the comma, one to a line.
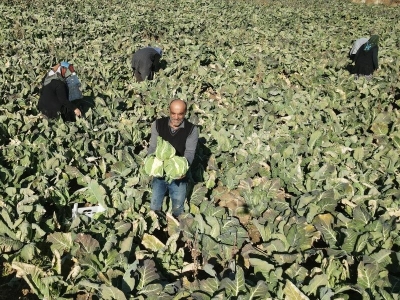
(177,113)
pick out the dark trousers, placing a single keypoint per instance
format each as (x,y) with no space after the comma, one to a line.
(67,115)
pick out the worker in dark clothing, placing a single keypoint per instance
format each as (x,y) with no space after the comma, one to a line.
(356,45)
(366,60)
(145,62)
(53,99)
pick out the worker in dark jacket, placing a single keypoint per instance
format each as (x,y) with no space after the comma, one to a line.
(356,45)
(53,99)
(145,62)
(366,60)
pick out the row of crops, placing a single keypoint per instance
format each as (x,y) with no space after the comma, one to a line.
(295,184)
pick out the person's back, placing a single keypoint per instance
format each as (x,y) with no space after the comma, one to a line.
(366,59)
(145,62)
(49,104)
(356,45)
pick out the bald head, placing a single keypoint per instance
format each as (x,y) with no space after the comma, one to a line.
(177,112)
(178,104)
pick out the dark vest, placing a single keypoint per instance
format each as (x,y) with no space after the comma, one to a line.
(178,138)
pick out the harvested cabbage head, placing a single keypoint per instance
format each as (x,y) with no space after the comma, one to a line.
(164,149)
(165,162)
(175,167)
(153,166)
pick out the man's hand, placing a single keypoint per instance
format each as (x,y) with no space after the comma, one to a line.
(77,112)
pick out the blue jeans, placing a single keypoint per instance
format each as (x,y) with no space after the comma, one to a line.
(177,194)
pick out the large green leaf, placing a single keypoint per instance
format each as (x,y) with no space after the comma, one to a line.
(120,169)
(152,290)
(96,194)
(215,226)
(9,244)
(73,172)
(315,283)
(277,245)
(264,231)
(33,275)
(60,241)
(380,128)
(361,216)
(148,274)
(363,242)
(235,286)
(29,251)
(291,292)
(91,264)
(112,259)
(285,258)
(260,291)
(323,223)
(122,227)
(261,265)
(209,285)
(313,138)
(297,272)
(383,257)
(128,280)
(223,139)
(198,194)
(367,274)
(152,243)
(350,240)
(126,245)
(86,242)
(111,293)
(326,201)
(295,236)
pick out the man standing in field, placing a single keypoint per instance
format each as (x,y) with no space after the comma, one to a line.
(145,62)
(183,136)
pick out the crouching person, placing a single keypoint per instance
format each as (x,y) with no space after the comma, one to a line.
(183,136)
(356,45)
(60,87)
(145,62)
(366,60)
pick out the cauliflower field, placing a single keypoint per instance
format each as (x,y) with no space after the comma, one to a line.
(295,183)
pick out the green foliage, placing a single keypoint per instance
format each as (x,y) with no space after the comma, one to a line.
(294,186)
